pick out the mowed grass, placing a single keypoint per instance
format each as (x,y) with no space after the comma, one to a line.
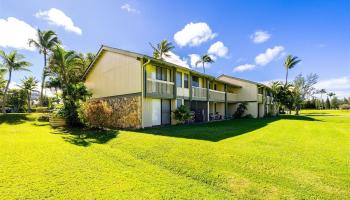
(288,157)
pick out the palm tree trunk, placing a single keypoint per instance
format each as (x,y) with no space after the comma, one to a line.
(5,92)
(28,101)
(203,68)
(286,77)
(43,82)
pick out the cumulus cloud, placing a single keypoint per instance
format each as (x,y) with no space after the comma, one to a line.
(194,34)
(175,59)
(195,57)
(59,18)
(127,7)
(218,49)
(15,33)
(260,37)
(269,55)
(340,86)
(245,67)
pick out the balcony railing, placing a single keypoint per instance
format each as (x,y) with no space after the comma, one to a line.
(199,94)
(231,97)
(260,98)
(182,92)
(268,100)
(158,88)
(215,95)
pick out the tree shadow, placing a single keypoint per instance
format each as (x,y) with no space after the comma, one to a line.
(15,118)
(86,137)
(216,131)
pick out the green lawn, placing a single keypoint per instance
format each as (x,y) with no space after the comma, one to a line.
(305,157)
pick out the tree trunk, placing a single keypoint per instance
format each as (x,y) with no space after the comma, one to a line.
(29,96)
(43,82)
(4,99)
(286,76)
(203,68)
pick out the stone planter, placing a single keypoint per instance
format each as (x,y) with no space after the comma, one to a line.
(56,121)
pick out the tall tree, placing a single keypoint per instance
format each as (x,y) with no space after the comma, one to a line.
(204,59)
(65,64)
(162,49)
(28,85)
(289,63)
(12,62)
(303,89)
(45,41)
(322,91)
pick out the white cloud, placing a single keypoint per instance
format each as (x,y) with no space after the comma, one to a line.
(194,34)
(245,67)
(269,55)
(193,59)
(175,59)
(340,86)
(59,18)
(218,49)
(260,37)
(127,7)
(15,33)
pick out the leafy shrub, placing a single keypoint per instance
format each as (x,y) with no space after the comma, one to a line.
(44,118)
(59,111)
(240,110)
(182,114)
(345,107)
(248,116)
(95,114)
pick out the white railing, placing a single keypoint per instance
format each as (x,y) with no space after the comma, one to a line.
(215,95)
(268,100)
(182,92)
(199,93)
(231,97)
(260,98)
(159,88)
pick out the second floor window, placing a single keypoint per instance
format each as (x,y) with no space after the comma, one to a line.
(195,81)
(178,79)
(162,74)
(185,80)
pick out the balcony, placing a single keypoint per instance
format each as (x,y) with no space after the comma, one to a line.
(268,100)
(260,98)
(215,95)
(231,97)
(199,94)
(158,88)
(183,92)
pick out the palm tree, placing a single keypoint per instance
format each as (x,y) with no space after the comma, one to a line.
(289,63)
(12,62)
(44,42)
(28,85)
(331,94)
(162,49)
(322,91)
(203,60)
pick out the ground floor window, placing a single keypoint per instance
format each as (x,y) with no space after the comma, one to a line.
(178,103)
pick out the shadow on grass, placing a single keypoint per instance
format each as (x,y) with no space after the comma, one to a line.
(216,131)
(86,137)
(15,118)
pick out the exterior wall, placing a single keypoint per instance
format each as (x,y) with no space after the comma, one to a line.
(114,74)
(248,92)
(147,112)
(252,109)
(126,111)
(261,110)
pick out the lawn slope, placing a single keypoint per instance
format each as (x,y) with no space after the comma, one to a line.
(283,157)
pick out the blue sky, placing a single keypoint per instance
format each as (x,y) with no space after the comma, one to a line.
(250,38)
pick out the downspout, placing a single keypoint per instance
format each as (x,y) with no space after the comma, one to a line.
(143,86)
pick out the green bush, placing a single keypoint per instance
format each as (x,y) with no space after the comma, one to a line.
(182,114)
(240,110)
(44,118)
(95,114)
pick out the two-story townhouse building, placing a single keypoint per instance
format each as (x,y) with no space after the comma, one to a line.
(144,91)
